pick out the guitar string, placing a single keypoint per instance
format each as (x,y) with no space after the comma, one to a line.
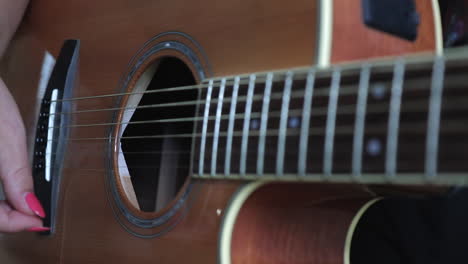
(278,76)
(237,153)
(131,167)
(203,85)
(347,130)
(418,128)
(346,89)
(164,105)
(414,128)
(454,126)
(173,152)
(235,134)
(414,105)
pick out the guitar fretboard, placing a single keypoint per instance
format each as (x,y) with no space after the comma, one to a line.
(402,121)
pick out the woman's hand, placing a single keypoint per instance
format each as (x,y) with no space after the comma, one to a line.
(22,210)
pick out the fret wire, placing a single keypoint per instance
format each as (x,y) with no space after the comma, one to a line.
(246,127)
(230,131)
(447,178)
(331,120)
(394,119)
(435,105)
(304,137)
(263,123)
(194,132)
(283,123)
(205,128)
(360,120)
(217,127)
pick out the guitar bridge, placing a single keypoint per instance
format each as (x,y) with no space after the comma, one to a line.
(52,132)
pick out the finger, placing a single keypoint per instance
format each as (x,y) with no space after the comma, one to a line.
(14,221)
(19,194)
(15,171)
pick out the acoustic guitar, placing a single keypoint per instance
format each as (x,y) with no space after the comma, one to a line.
(230,132)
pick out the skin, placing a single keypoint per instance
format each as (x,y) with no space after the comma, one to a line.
(15,171)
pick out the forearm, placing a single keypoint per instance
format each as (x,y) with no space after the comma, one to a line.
(11,12)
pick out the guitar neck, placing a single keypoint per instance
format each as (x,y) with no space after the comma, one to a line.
(402,121)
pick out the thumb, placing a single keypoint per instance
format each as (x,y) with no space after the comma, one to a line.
(14,221)
(18,190)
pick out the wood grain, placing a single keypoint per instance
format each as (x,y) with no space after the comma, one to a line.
(309,226)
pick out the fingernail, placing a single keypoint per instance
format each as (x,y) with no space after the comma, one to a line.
(34,204)
(38,229)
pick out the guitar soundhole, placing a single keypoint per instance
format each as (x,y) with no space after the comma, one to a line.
(154,162)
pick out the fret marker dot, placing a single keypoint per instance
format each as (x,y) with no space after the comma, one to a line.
(218,212)
(374,147)
(378,91)
(255,124)
(293,122)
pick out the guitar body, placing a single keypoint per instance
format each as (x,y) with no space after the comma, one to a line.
(232,37)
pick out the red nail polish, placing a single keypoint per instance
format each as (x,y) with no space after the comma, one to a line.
(38,229)
(34,204)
